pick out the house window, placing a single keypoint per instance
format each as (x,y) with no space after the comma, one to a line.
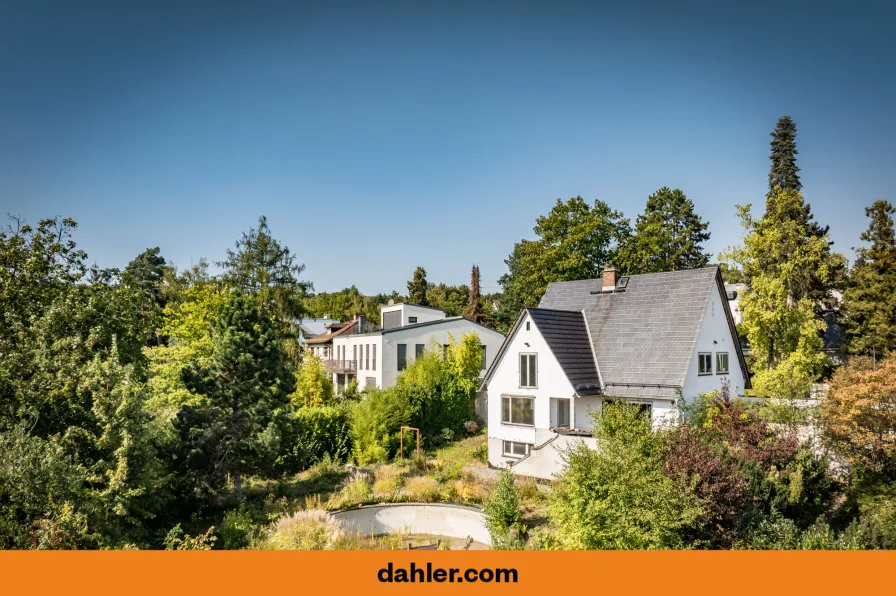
(412,320)
(418,350)
(367,357)
(563,413)
(355,354)
(371,382)
(482,366)
(528,370)
(721,363)
(514,449)
(402,356)
(528,325)
(705,364)
(374,357)
(518,410)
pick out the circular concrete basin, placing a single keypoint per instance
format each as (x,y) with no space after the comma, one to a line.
(453,521)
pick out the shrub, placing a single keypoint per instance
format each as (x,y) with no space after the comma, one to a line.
(779,533)
(236,530)
(502,509)
(388,480)
(323,431)
(471,427)
(304,530)
(178,540)
(422,489)
(375,421)
(356,491)
(618,496)
(470,489)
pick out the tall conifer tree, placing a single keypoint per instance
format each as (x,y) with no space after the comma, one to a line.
(417,288)
(474,310)
(870,300)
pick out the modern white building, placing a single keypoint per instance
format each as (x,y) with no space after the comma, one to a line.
(375,356)
(647,339)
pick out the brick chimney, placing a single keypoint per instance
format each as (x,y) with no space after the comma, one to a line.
(611,276)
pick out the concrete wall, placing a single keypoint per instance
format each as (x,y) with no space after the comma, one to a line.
(443,520)
(714,336)
(546,461)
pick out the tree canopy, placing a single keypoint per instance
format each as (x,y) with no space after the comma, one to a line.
(668,236)
(870,300)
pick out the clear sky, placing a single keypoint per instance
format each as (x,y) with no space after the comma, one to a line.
(379,136)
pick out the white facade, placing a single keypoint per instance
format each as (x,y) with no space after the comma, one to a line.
(373,358)
(714,338)
(541,444)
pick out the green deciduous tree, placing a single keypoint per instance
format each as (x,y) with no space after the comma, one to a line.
(247,380)
(417,288)
(617,497)
(575,241)
(314,387)
(668,236)
(782,261)
(870,300)
(147,273)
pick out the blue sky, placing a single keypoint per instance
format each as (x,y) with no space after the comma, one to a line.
(377,137)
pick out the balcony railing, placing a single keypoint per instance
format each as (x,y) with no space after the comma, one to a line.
(341,365)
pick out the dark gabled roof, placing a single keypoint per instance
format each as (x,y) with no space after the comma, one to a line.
(566,334)
(643,338)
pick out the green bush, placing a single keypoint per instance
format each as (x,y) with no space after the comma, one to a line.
(236,530)
(323,431)
(502,512)
(374,426)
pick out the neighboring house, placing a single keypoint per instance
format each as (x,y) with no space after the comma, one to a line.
(375,357)
(310,327)
(649,339)
(321,345)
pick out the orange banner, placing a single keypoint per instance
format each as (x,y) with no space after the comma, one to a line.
(370,572)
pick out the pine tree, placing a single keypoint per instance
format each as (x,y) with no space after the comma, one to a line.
(784,172)
(668,236)
(474,310)
(248,380)
(417,288)
(262,267)
(146,273)
(870,301)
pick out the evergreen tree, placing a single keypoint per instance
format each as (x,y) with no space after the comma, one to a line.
(784,172)
(246,382)
(474,310)
(417,288)
(668,236)
(870,301)
(147,273)
(264,268)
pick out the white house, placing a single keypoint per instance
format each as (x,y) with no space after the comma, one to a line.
(376,356)
(648,339)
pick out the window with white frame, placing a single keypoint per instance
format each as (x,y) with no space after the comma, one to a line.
(528,370)
(518,410)
(721,363)
(704,364)
(515,449)
(374,357)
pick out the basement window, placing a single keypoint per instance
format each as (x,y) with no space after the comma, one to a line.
(514,449)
